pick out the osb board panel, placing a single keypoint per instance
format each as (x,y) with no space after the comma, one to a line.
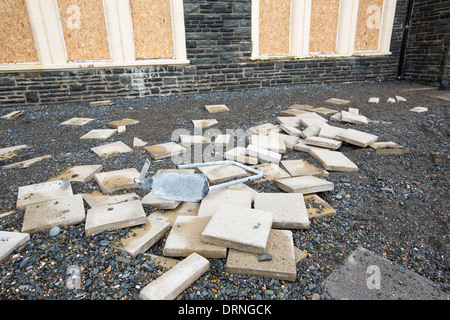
(274,26)
(324,25)
(16,36)
(84,28)
(152,27)
(368,25)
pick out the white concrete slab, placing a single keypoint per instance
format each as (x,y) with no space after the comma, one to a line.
(82,174)
(353,118)
(217,108)
(264,155)
(324,142)
(219,173)
(176,280)
(334,160)
(41,192)
(114,216)
(61,212)
(187,140)
(357,137)
(298,168)
(99,134)
(204,123)
(76,121)
(304,185)
(270,171)
(239,228)
(269,142)
(165,150)
(311,131)
(212,201)
(185,238)
(96,198)
(151,200)
(330,132)
(289,209)
(184,209)
(388,147)
(117,180)
(119,123)
(265,128)
(238,154)
(10,241)
(137,142)
(111,149)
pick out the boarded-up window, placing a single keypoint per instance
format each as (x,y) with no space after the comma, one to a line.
(324,25)
(368,25)
(16,37)
(152,28)
(274,26)
(84,28)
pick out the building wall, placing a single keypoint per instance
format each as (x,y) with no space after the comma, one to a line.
(218,44)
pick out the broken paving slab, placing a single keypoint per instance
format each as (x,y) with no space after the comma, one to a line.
(81,174)
(351,117)
(173,282)
(184,209)
(269,142)
(337,101)
(212,201)
(311,131)
(138,142)
(114,216)
(298,168)
(151,200)
(264,155)
(165,150)
(304,185)
(357,138)
(289,209)
(216,108)
(10,241)
(40,192)
(161,261)
(26,163)
(120,123)
(219,173)
(187,140)
(12,115)
(96,198)
(334,160)
(324,142)
(142,238)
(60,212)
(111,149)
(419,109)
(204,123)
(282,266)
(270,171)
(117,180)
(76,122)
(239,228)
(185,238)
(388,147)
(367,276)
(10,152)
(317,207)
(99,134)
(265,128)
(238,154)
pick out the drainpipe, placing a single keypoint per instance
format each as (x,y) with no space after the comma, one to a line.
(405,40)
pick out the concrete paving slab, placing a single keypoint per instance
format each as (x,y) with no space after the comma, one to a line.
(270,171)
(100,103)
(317,207)
(289,141)
(243,187)
(40,192)
(176,280)
(76,121)
(298,168)
(265,128)
(114,216)
(111,149)
(374,100)
(357,137)
(139,142)
(217,108)
(204,123)
(212,201)
(291,112)
(164,262)
(219,173)
(400,99)
(27,163)
(353,110)
(304,184)
(337,101)
(10,152)
(96,198)
(119,123)
(222,140)
(269,142)
(303,147)
(324,142)
(292,131)
(299,254)
(264,155)
(388,147)
(419,109)
(187,140)
(367,276)
(301,106)
(330,132)
(142,238)
(12,115)
(117,180)
(353,118)
(238,154)
(10,241)
(99,134)
(239,228)
(184,209)
(151,200)
(289,209)
(82,174)
(334,160)
(311,131)
(165,150)
(280,246)
(185,238)
(65,211)
(323,111)
(289,121)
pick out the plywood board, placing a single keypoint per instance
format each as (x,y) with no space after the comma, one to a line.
(274,26)
(368,25)
(152,27)
(324,25)
(16,36)
(84,28)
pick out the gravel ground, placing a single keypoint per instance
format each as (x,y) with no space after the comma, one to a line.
(395,206)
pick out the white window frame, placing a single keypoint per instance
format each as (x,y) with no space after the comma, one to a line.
(50,45)
(346,35)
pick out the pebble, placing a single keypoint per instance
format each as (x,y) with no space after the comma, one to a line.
(265,257)
(54,231)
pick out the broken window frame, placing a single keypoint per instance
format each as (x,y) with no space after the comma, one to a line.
(300,31)
(49,38)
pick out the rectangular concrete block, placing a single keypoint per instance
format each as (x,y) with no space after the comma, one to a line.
(324,142)
(269,142)
(115,180)
(41,192)
(264,155)
(212,201)
(334,160)
(99,134)
(358,138)
(219,173)
(165,150)
(176,280)
(304,184)
(81,174)
(298,168)
(238,154)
